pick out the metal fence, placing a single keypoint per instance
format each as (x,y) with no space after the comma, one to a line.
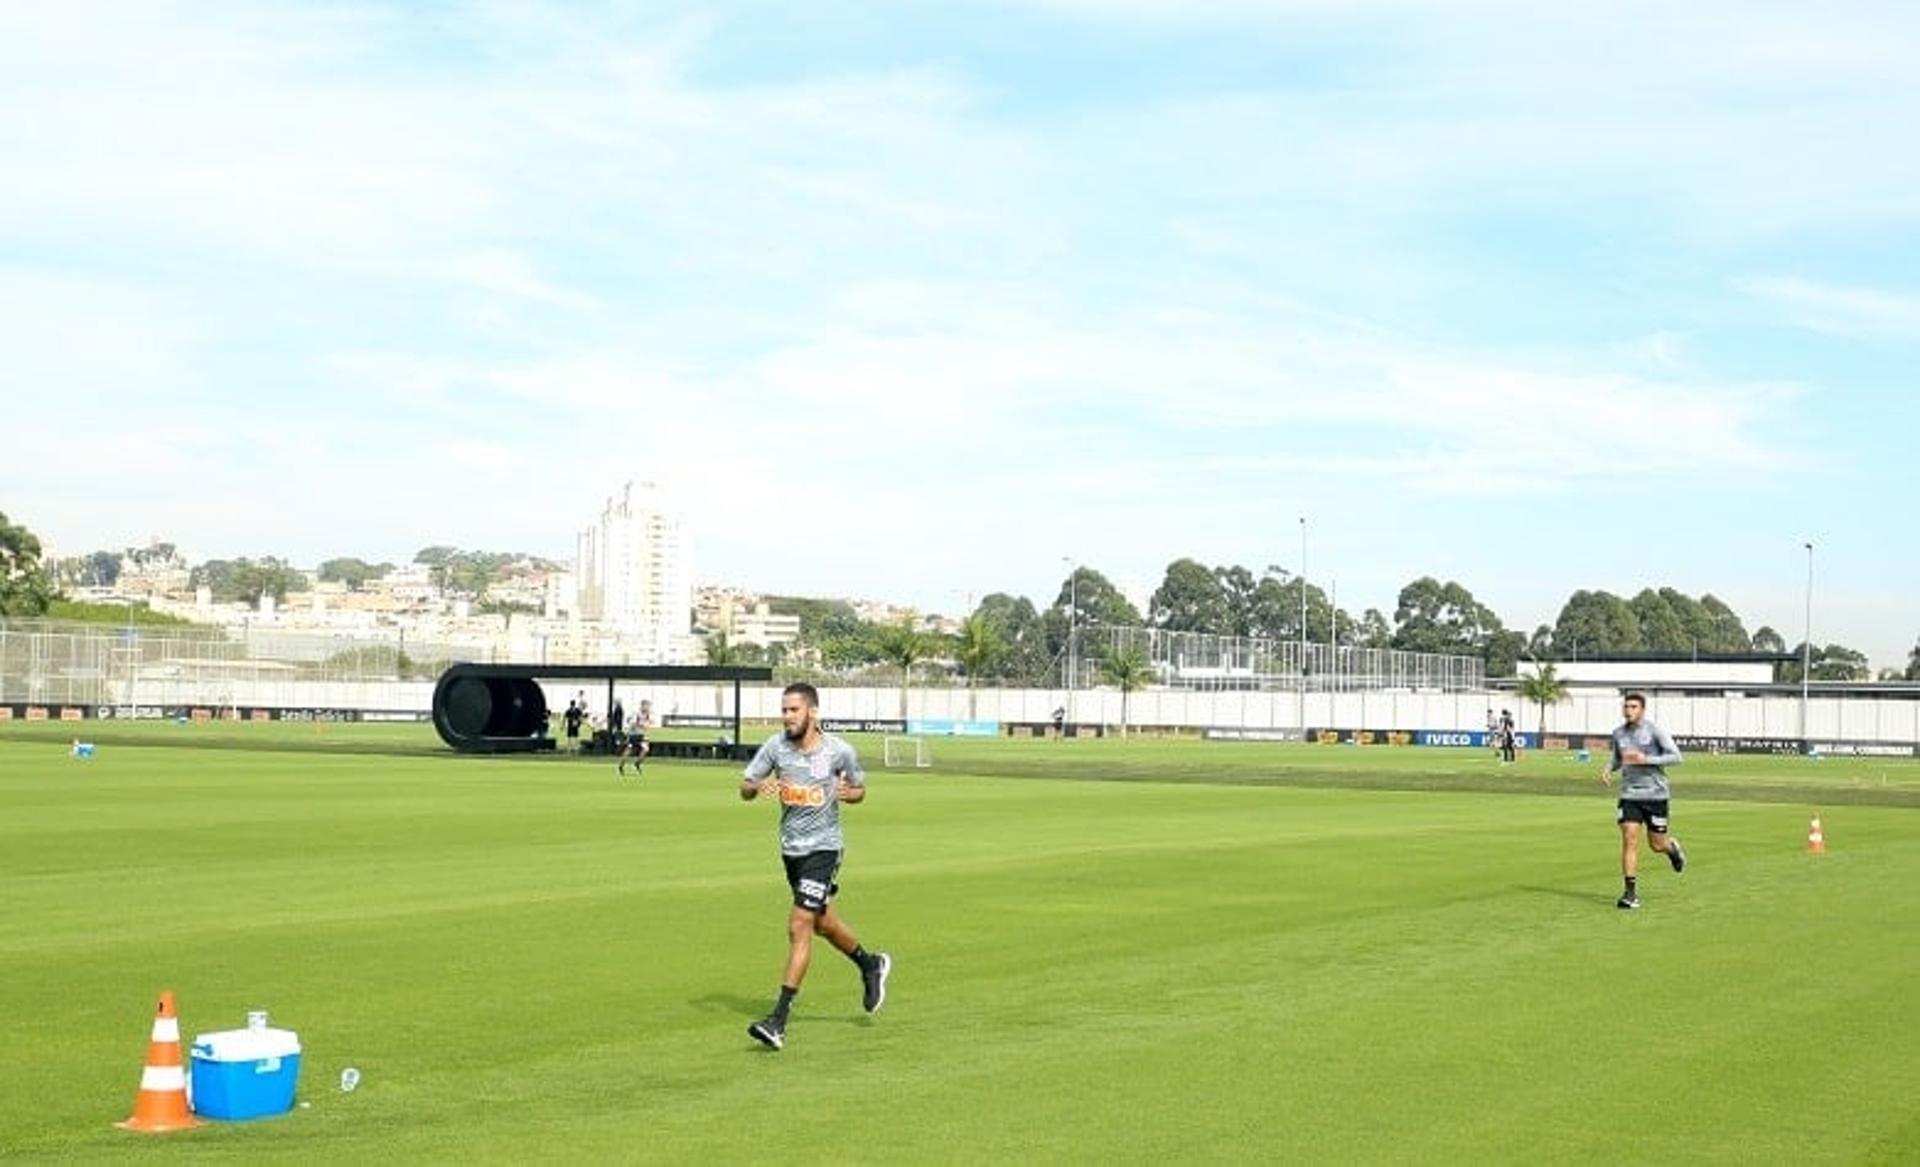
(1204,662)
(54,663)
(47,662)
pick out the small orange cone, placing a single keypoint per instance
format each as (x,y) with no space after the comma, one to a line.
(162,1104)
(1816,841)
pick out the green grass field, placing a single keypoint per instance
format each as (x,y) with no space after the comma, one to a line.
(1225,952)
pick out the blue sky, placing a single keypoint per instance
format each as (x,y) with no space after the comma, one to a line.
(911,301)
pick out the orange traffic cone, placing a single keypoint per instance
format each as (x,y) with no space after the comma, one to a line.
(162,1104)
(1816,841)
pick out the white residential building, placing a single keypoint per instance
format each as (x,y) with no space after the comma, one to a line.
(757,625)
(634,572)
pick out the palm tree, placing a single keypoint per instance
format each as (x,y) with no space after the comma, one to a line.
(978,648)
(1128,669)
(721,651)
(903,645)
(1544,688)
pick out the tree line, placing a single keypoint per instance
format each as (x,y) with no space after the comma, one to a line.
(1010,639)
(1445,617)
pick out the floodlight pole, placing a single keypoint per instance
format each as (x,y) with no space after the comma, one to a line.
(1303,628)
(133,661)
(1806,651)
(1073,620)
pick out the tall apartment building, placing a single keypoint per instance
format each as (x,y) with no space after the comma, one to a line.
(634,572)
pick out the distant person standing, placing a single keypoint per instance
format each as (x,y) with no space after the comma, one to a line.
(635,747)
(1060,722)
(1506,738)
(812,772)
(1493,732)
(1641,753)
(573,717)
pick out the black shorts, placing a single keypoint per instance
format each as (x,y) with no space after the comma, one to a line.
(636,744)
(1635,810)
(811,878)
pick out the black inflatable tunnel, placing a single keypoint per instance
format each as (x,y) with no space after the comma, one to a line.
(477,710)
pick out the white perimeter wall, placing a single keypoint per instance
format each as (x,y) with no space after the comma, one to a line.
(1692,674)
(1828,718)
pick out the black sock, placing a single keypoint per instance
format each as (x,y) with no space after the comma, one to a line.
(785,1003)
(1631,881)
(861,957)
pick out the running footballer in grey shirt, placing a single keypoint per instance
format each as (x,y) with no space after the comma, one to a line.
(812,773)
(1641,753)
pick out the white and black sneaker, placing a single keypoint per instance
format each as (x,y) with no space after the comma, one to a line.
(1676,856)
(873,979)
(769,1031)
(1627,900)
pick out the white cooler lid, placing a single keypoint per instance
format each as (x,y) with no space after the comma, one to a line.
(246,1045)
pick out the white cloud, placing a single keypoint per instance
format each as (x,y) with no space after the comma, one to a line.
(1190,12)
(1733,122)
(510,273)
(73,337)
(1840,309)
(489,456)
(1130,407)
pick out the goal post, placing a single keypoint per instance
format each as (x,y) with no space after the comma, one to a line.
(905,753)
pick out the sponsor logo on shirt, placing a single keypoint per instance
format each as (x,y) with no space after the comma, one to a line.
(802,795)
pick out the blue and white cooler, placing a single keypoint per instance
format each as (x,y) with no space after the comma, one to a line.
(245,1073)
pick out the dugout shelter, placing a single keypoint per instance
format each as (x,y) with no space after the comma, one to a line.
(502,708)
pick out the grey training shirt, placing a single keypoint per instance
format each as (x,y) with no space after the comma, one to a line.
(1647,781)
(809,807)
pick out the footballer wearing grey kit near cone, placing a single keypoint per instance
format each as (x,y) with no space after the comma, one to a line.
(1641,753)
